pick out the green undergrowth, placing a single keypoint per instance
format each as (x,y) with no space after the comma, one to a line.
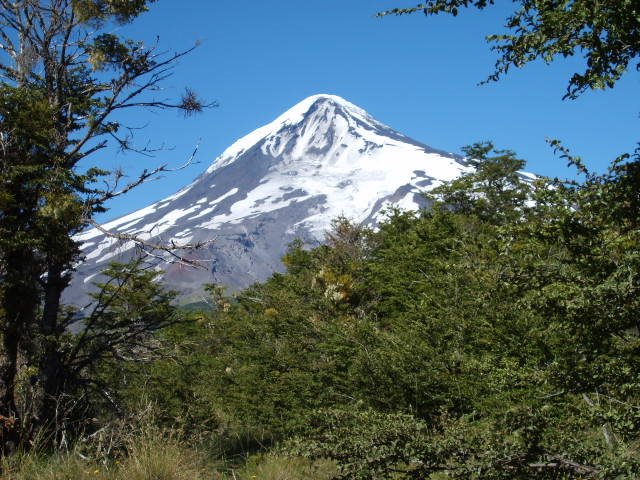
(146,457)
(275,467)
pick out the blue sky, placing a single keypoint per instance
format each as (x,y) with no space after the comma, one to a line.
(419,75)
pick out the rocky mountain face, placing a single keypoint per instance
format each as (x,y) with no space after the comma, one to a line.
(323,158)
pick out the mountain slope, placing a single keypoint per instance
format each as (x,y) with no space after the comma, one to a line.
(323,158)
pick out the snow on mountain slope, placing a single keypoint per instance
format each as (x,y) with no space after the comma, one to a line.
(323,158)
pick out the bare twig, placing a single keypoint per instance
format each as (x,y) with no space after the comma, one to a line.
(148,247)
(560,463)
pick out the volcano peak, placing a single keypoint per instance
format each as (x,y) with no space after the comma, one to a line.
(287,180)
(305,116)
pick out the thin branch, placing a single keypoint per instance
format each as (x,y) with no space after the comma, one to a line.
(148,247)
(560,463)
(145,176)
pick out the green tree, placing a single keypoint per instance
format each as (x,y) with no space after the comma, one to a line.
(506,344)
(121,332)
(64,79)
(606,32)
(496,191)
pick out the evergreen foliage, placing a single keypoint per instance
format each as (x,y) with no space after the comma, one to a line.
(64,78)
(493,336)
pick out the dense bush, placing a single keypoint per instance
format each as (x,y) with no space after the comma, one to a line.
(493,336)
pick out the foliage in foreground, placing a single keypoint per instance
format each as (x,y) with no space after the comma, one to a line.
(494,336)
(67,74)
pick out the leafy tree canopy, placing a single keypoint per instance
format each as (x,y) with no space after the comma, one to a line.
(65,75)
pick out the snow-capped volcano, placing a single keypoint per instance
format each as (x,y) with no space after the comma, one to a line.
(323,158)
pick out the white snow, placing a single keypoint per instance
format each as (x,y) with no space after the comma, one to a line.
(407,202)
(528,175)
(90,277)
(204,212)
(128,225)
(177,195)
(292,116)
(215,201)
(339,159)
(331,154)
(166,222)
(115,247)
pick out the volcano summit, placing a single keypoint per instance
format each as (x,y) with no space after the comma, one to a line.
(323,158)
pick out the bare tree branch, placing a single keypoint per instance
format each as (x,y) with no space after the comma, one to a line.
(151,247)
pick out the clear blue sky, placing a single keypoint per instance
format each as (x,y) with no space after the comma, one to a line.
(419,75)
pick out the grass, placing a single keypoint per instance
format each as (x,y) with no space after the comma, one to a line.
(57,467)
(274,467)
(149,455)
(137,449)
(154,455)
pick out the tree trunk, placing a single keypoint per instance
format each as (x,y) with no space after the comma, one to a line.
(46,411)
(20,303)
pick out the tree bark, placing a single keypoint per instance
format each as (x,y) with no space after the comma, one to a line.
(50,373)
